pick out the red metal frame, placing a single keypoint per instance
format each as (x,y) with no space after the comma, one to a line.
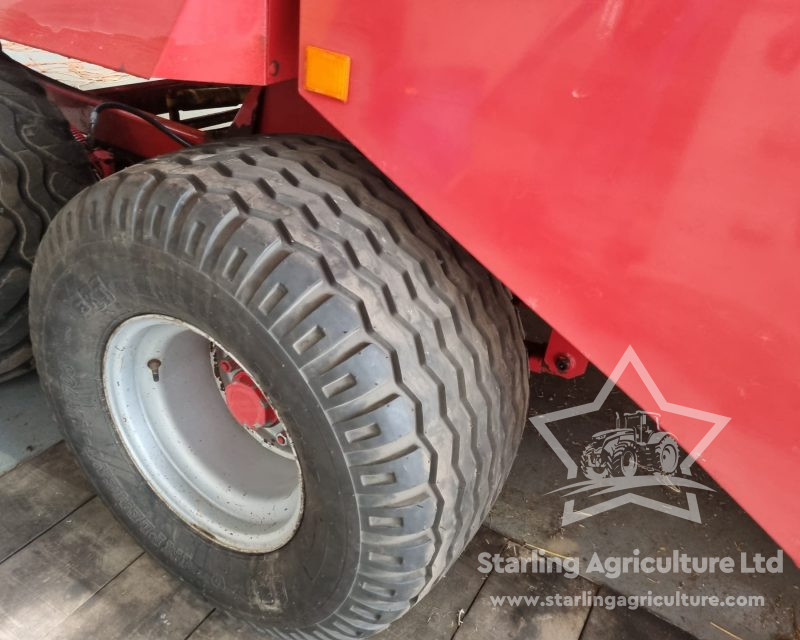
(558,358)
(246,121)
(277,108)
(285,111)
(119,128)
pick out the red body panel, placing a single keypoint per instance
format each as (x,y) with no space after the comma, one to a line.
(180,39)
(628,167)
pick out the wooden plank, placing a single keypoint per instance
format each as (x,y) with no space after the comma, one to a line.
(41,585)
(622,623)
(143,602)
(37,494)
(436,616)
(27,425)
(522,621)
(527,511)
(220,626)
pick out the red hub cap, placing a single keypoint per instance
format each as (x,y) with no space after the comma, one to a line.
(248,404)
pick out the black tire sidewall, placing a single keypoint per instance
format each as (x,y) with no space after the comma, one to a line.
(92,292)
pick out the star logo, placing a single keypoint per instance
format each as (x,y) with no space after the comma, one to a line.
(606,447)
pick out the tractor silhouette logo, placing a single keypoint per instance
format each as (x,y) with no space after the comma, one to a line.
(622,463)
(635,444)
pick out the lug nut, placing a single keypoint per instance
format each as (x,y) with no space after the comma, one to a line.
(226,366)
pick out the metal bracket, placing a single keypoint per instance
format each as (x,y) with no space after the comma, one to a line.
(558,357)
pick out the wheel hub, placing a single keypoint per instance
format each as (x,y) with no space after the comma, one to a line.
(189,427)
(249,405)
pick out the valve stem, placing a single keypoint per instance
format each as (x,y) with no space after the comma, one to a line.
(154,365)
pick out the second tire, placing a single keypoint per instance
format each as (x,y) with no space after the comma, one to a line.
(41,168)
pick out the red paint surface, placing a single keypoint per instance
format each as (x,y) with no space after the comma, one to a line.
(630,169)
(246,404)
(180,39)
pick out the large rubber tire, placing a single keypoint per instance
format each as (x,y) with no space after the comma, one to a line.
(41,168)
(398,359)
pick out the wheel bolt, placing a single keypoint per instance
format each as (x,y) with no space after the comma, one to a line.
(563,362)
(226,366)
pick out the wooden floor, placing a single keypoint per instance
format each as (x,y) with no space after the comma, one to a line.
(68,570)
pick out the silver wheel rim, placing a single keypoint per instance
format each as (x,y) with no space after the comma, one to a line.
(195,456)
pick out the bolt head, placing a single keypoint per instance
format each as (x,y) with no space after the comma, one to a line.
(563,362)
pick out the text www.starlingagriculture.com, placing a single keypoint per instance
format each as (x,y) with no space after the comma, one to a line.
(589,598)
